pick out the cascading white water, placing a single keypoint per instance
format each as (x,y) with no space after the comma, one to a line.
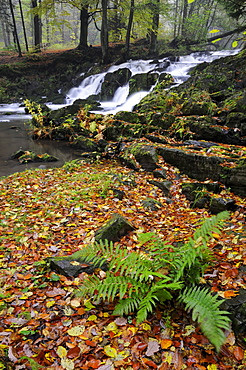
(91,85)
(122,100)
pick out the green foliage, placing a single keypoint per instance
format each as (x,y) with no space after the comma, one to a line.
(141,280)
(205,309)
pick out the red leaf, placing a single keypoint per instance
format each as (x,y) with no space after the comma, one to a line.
(73,352)
(150,363)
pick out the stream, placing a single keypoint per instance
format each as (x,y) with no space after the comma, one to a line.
(15,134)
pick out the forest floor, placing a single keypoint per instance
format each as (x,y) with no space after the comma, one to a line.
(54,212)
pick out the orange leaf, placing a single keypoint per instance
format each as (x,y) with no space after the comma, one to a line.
(238,353)
(24,277)
(230,293)
(166,343)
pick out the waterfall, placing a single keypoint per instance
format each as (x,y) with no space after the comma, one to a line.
(122,100)
(179,69)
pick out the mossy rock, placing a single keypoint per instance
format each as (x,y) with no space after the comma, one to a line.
(114,229)
(151,204)
(85,144)
(29,156)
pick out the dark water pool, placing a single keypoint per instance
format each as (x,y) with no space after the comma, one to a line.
(15,135)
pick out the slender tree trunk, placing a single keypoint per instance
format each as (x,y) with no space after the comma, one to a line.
(37,28)
(5,36)
(155,26)
(129,27)
(104,32)
(23,25)
(185,13)
(84,21)
(15,28)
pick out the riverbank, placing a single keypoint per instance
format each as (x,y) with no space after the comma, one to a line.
(56,212)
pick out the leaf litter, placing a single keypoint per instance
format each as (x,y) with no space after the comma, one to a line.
(46,213)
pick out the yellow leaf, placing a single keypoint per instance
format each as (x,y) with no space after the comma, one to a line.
(26,295)
(212,367)
(92,318)
(112,327)
(76,330)
(234,44)
(214,31)
(214,41)
(190,1)
(61,351)
(50,303)
(145,326)
(110,351)
(67,364)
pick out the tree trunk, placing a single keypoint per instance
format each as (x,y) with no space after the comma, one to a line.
(155,26)
(129,27)
(15,29)
(84,21)
(104,32)
(37,28)
(23,25)
(185,14)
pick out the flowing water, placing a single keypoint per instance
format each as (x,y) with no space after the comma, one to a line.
(14,134)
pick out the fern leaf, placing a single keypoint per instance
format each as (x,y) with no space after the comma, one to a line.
(145,306)
(205,309)
(127,305)
(196,249)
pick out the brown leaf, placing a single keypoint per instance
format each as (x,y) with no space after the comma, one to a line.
(238,353)
(153,347)
(55,292)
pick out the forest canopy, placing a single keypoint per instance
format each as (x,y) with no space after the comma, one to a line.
(80,23)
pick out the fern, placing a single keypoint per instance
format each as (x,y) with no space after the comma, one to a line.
(205,309)
(140,281)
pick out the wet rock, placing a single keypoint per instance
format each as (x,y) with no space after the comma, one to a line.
(145,155)
(194,165)
(151,204)
(192,189)
(115,229)
(218,205)
(236,306)
(160,173)
(29,156)
(201,167)
(112,81)
(165,186)
(142,82)
(17,154)
(157,139)
(118,194)
(73,265)
(85,144)
(131,117)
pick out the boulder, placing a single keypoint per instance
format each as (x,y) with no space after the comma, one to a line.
(144,154)
(114,229)
(112,81)
(142,82)
(165,186)
(151,204)
(218,205)
(85,144)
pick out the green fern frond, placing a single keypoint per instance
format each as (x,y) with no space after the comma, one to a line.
(195,251)
(145,306)
(205,310)
(127,305)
